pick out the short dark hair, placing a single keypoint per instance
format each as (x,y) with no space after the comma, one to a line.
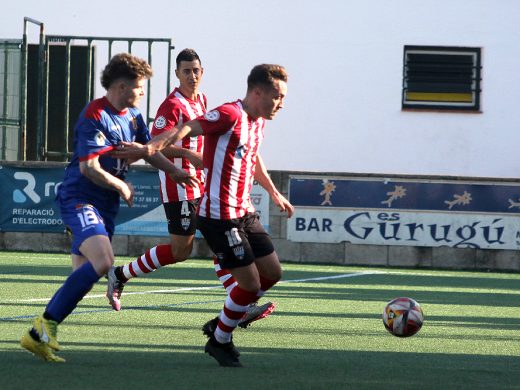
(187,55)
(125,66)
(265,75)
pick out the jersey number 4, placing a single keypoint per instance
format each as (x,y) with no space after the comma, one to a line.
(185,208)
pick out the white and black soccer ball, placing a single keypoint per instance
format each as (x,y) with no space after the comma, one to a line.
(403,317)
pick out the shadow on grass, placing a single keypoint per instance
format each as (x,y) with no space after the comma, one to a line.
(398,284)
(203,270)
(92,366)
(172,272)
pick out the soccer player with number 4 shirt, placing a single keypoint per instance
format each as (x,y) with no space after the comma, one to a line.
(233,133)
(180,202)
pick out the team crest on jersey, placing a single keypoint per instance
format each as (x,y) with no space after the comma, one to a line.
(185,223)
(100,138)
(212,116)
(134,123)
(160,122)
(239,252)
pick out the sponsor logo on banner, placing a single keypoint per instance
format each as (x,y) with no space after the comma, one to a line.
(20,196)
(29,200)
(405,228)
(414,213)
(30,190)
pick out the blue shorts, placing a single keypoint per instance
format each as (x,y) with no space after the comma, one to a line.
(84,221)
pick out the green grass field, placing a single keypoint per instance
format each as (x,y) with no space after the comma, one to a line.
(325,333)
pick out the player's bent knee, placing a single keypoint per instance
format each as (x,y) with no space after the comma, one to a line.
(269,267)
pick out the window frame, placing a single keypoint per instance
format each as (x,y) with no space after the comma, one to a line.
(422,102)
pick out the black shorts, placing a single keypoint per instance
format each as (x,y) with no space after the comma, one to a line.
(236,242)
(182,217)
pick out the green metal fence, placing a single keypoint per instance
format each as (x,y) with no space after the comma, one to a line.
(44,83)
(10,81)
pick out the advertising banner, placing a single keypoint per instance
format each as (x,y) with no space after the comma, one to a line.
(28,199)
(381,211)
(28,205)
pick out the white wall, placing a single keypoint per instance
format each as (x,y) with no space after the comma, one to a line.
(343,109)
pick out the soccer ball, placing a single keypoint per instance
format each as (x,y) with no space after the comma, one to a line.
(403,317)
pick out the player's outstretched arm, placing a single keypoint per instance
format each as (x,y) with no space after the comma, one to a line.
(193,157)
(180,176)
(131,151)
(262,176)
(158,143)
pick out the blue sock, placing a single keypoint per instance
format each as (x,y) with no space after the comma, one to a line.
(57,293)
(77,285)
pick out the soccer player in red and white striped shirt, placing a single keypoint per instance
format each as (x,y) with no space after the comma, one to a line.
(180,202)
(233,133)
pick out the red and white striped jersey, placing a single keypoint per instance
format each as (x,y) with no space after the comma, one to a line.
(177,109)
(231,142)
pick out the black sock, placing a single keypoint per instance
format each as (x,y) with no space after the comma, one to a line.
(119,274)
(34,334)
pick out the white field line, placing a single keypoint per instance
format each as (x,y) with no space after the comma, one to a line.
(170,291)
